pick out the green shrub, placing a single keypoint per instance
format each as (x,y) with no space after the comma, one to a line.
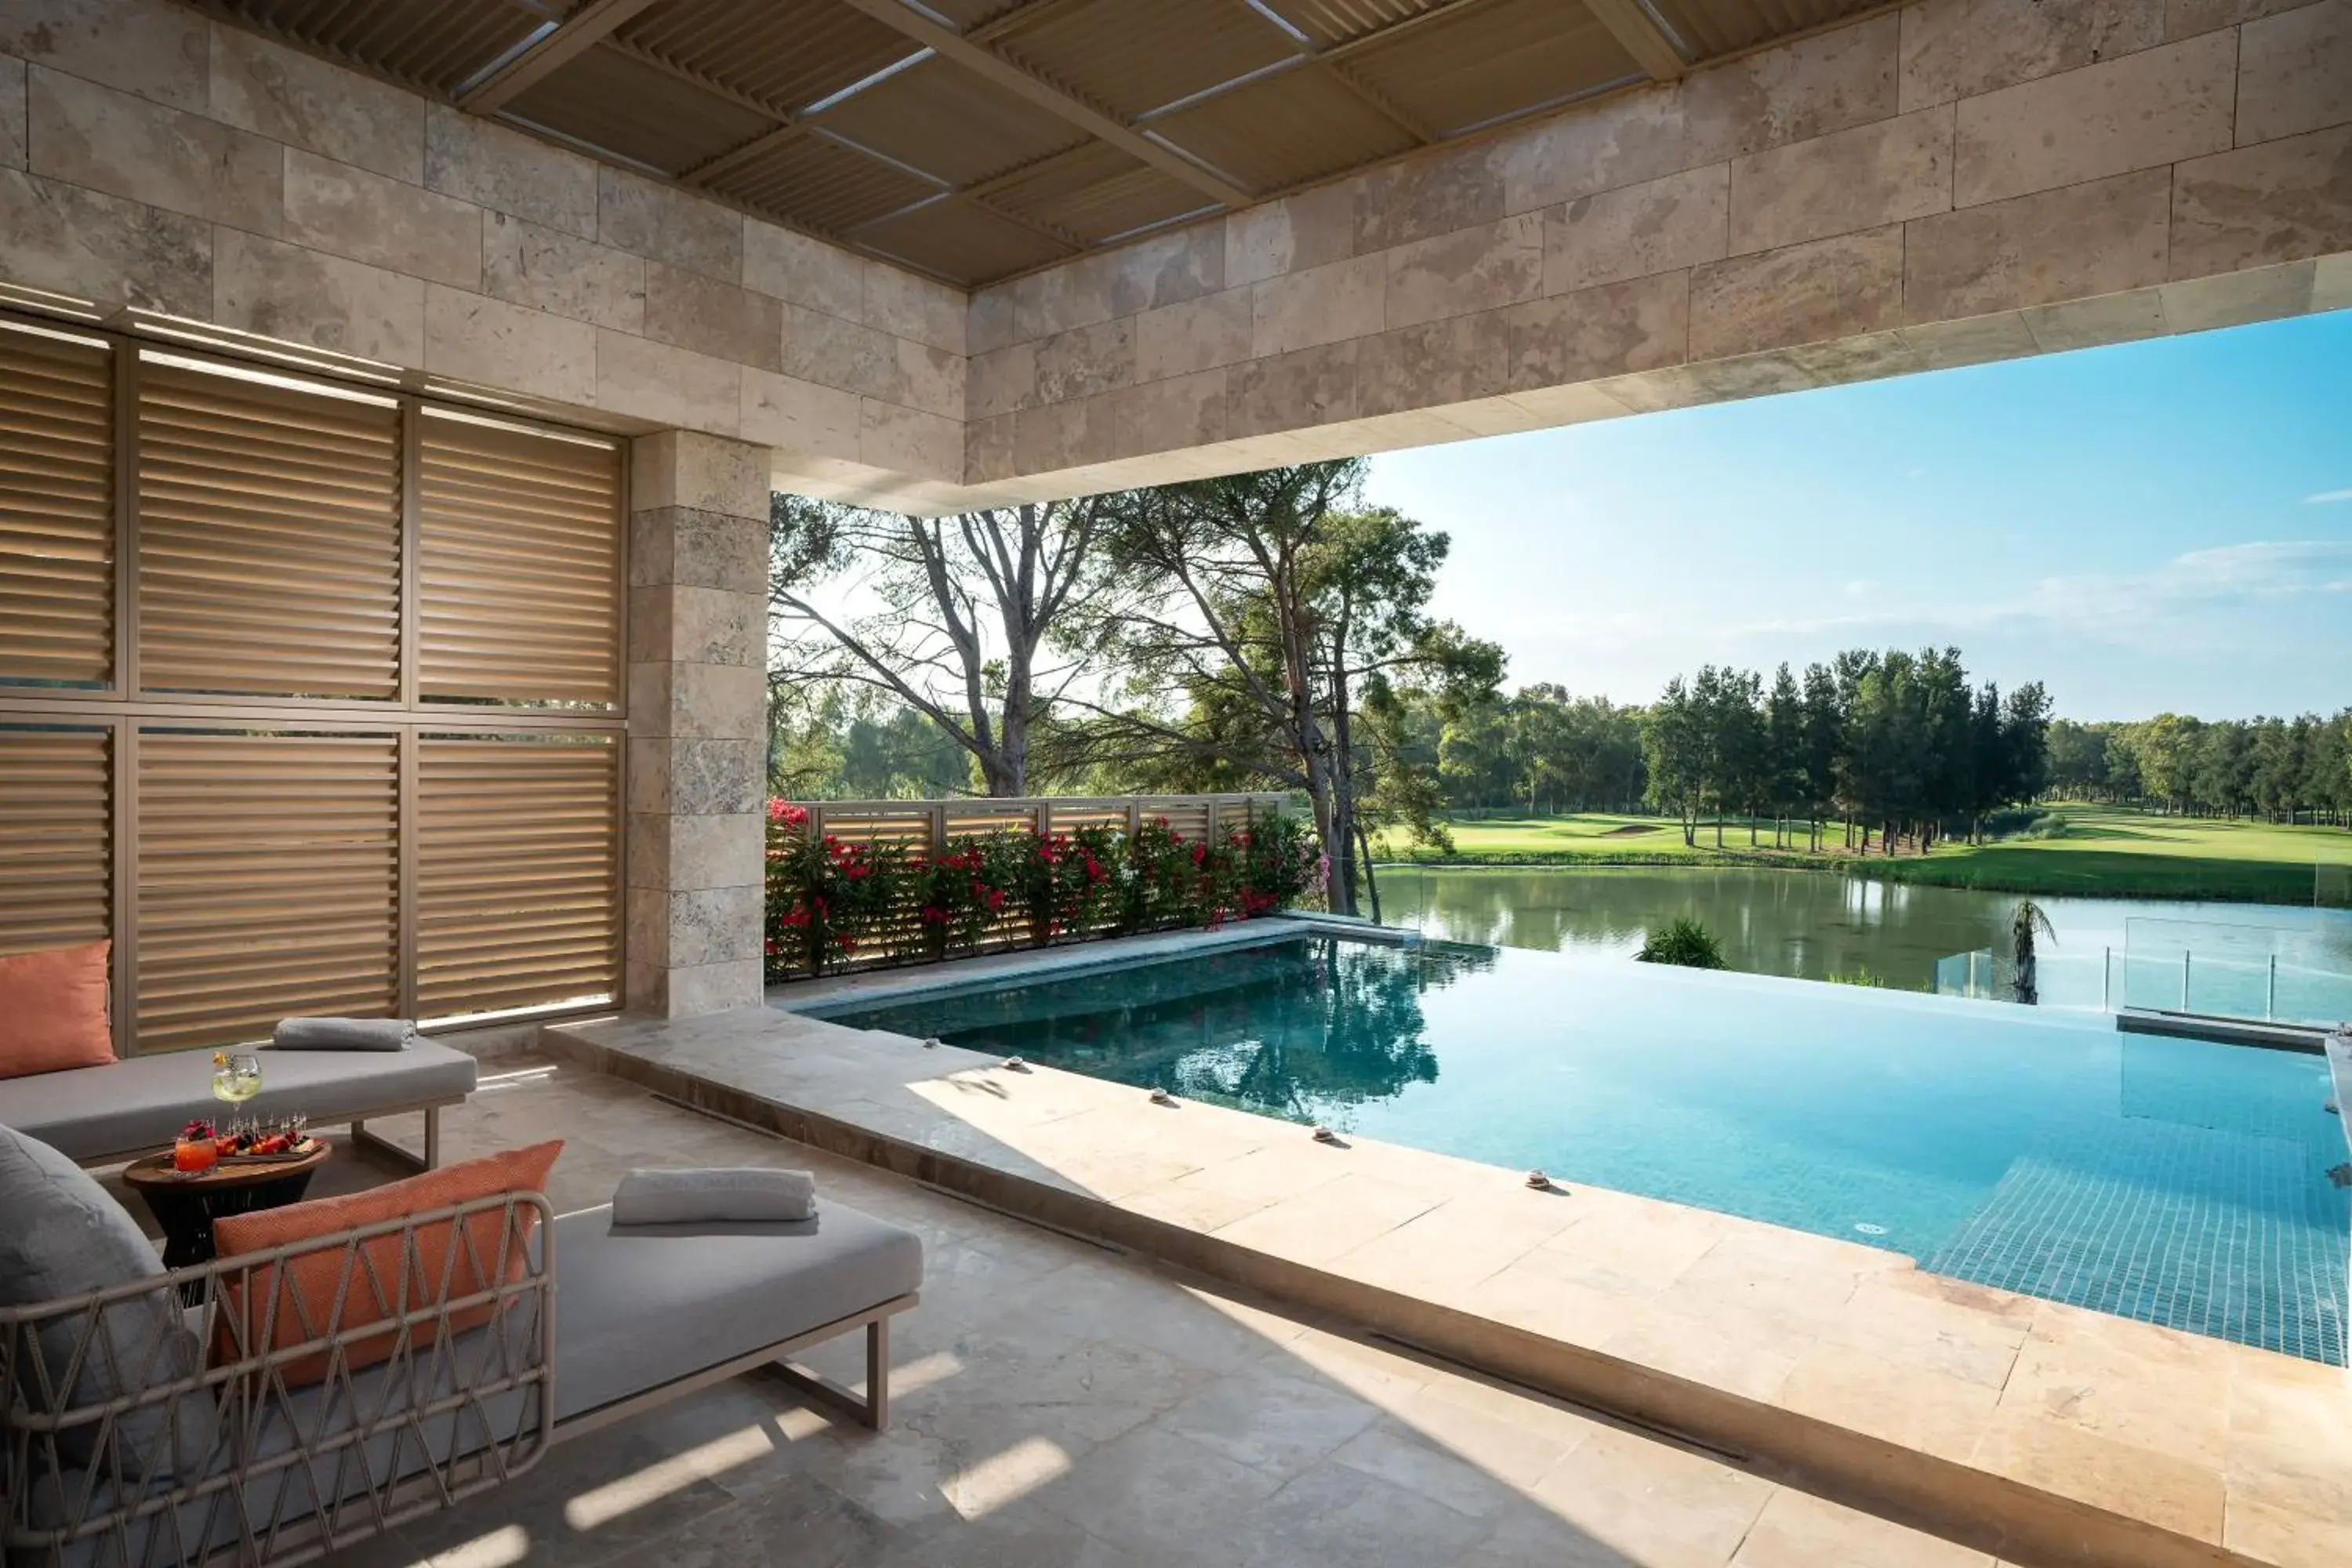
(1683,942)
(1861,976)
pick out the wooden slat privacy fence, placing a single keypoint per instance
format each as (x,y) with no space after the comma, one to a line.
(929,828)
(310,694)
(931,824)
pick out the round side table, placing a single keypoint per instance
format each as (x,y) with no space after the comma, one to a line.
(185,1203)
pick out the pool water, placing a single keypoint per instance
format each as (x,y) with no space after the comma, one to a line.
(2175,1181)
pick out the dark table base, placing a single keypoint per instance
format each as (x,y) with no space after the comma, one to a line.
(186,1214)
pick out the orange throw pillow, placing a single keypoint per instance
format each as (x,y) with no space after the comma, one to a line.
(53,1011)
(303,1292)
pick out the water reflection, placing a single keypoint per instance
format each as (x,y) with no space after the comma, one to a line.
(1811,926)
(1305,1030)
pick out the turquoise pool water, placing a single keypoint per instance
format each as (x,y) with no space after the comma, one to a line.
(2174,1181)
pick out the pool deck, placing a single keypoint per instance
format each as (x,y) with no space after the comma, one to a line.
(2035,1431)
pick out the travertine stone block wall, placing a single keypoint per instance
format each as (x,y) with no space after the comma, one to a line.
(698,723)
(1954,182)
(152,158)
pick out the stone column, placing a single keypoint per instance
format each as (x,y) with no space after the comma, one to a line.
(698,721)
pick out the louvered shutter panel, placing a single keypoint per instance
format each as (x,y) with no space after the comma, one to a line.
(268,537)
(267,877)
(518,559)
(56,508)
(518,877)
(55,811)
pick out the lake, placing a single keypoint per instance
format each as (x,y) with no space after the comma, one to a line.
(1812,925)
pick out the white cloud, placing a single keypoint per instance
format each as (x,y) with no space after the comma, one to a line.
(2327,498)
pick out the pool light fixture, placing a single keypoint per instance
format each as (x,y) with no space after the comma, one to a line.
(1161,1097)
(1538,1181)
(930,1042)
(1323,1134)
(1014,1064)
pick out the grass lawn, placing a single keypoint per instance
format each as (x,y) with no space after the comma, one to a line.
(2106,851)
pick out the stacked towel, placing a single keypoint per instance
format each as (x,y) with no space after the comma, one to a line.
(343,1035)
(729,1194)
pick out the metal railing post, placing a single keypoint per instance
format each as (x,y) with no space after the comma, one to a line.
(2184,980)
(2106,979)
(2270,995)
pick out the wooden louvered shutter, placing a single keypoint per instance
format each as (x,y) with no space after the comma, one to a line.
(517,562)
(518,877)
(268,536)
(56,794)
(56,508)
(267,877)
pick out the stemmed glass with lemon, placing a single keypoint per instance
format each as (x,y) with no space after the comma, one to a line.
(237,1078)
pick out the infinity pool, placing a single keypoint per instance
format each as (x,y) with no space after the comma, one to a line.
(2174,1181)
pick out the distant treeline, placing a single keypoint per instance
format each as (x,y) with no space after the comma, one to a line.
(2283,770)
(1868,739)
(1896,742)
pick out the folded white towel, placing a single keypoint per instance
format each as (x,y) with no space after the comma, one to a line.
(342,1034)
(739,1193)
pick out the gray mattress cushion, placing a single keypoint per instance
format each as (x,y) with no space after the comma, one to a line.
(142,1102)
(638,1306)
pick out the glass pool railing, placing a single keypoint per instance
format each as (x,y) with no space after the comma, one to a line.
(2221,969)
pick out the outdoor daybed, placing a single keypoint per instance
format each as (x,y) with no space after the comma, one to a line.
(138,1432)
(101,1115)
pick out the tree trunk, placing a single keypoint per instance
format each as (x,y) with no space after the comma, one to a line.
(1372,881)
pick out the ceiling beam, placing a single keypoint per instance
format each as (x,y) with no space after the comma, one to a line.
(1023,16)
(982,194)
(1372,98)
(744,153)
(1330,58)
(1631,24)
(561,44)
(995,67)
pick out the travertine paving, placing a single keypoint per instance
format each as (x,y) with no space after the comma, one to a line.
(2023,1425)
(1058,1406)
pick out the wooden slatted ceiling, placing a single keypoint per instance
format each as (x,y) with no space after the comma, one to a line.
(55,810)
(518,565)
(518,873)
(267,881)
(268,536)
(56,508)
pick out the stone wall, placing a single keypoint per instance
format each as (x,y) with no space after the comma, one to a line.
(1955,181)
(152,159)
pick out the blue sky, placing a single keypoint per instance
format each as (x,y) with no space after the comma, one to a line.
(2157,525)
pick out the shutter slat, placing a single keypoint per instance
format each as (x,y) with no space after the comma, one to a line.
(56,509)
(518,565)
(55,842)
(518,873)
(267,880)
(268,539)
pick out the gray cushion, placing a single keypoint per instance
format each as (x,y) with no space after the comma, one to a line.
(141,1103)
(342,1034)
(60,1236)
(730,1193)
(637,1306)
